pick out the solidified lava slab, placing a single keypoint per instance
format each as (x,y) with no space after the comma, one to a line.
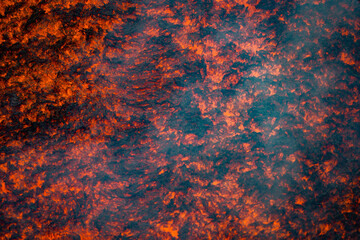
(208,119)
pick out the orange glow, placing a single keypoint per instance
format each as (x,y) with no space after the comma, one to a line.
(208,119)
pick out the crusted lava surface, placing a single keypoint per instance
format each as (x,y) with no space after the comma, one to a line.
(189,119)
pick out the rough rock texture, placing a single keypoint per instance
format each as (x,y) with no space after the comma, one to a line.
(208,119)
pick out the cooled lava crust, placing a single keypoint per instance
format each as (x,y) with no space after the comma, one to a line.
(208,119)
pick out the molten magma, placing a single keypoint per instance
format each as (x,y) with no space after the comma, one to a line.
(207,119)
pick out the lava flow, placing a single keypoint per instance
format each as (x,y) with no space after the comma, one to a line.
(189,119)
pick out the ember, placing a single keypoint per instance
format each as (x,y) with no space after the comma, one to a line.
(208,119)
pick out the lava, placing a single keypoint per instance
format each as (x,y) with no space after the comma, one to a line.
(203,119)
